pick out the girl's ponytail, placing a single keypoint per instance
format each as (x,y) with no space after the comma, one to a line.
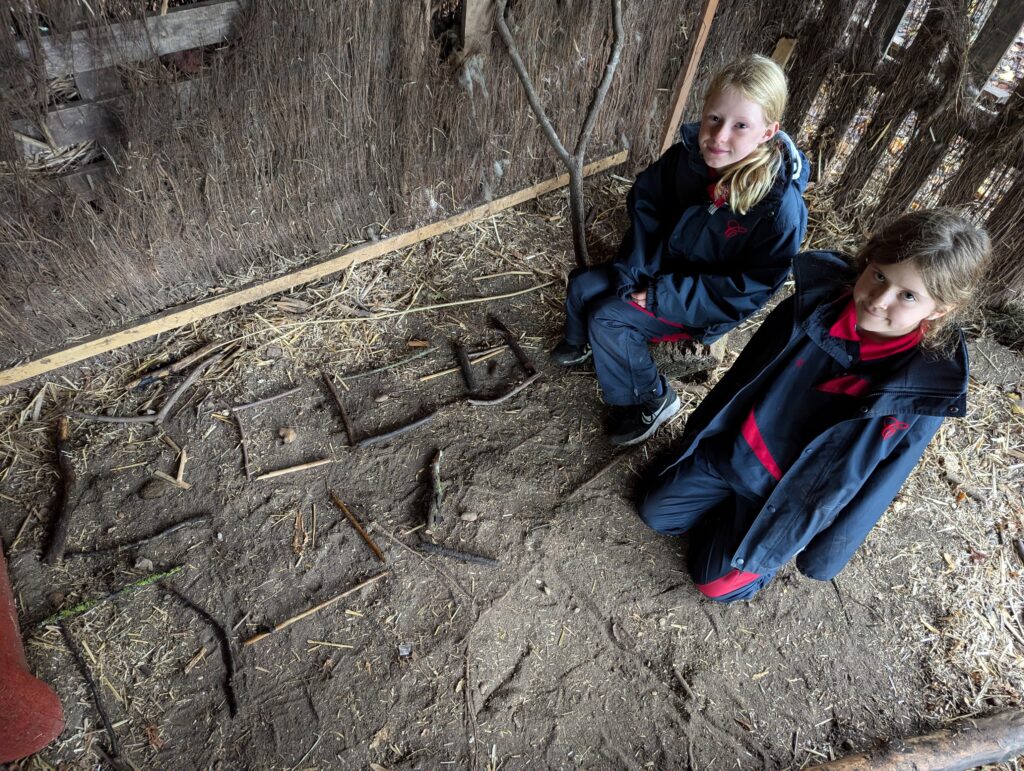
(763,82)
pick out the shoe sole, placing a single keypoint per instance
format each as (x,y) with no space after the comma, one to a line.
(667,412)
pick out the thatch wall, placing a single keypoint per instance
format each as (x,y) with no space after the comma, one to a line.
(321,123)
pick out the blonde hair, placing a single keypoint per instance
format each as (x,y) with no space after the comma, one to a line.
(763,82)
(949,252)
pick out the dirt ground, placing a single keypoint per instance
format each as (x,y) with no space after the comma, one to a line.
(586,647)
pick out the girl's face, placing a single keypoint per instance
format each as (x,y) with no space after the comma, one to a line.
(891,300)
(731,128)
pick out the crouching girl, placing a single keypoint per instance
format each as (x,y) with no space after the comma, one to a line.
(805,441)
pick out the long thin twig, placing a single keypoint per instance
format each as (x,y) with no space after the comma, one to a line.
(86,605)
(159,417)
(225,646)
(392,365)
(83,669)
(462,556)
(464,366)
(62,517)
(349,431)
(430,563)
(436,492)
(359,528)
(141,541)
(379,438)
(316,608)
(244,445)
(490,353)
(260,402)
(175,367)
(513,344)
(505,397)
(292,469)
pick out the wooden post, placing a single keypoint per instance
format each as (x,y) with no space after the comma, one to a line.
(477,23)
(783,50)
(686,77)
(972,743)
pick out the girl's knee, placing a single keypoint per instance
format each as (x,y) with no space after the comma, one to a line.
(654,513)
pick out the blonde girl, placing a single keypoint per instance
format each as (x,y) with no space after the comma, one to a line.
(716,222)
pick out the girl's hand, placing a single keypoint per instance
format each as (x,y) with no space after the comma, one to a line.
(640,298)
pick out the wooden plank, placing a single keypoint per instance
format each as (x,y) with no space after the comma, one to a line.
(181,28)
(686,77)
(188,314)
(81,121)
(477,23)
(783,50)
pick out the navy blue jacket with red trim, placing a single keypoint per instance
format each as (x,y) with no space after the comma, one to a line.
(835,490)
(709,270)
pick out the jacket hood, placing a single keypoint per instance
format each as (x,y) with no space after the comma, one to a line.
(794,173)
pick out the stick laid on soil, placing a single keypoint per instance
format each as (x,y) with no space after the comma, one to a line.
(316,608)
(436,493)
(464,366)
(225,647)
(392,365)
(159,417)
(463,556)
(372,440)
(62,518)
(174,367)
(490,353)
(292,469)
(505,397)
(359,528)
(349,431)
(86,605)
(242,443)
(141,541)
(969,744)
(513,344)
(266,400)
(83,669)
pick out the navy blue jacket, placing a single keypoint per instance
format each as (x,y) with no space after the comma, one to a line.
(709,270)
(828,500)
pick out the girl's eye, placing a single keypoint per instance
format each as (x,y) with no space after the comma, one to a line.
(713,119)
(741,125)
(879,277)
(909,297)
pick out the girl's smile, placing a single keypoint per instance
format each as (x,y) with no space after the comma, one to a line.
(891,300)
(731,128)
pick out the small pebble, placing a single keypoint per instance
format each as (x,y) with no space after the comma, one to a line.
(469,516)
(274,352)
(145,564)
(381,398)
(287,434)
(404,649)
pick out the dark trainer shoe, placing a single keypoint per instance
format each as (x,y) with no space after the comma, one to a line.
(633,425)
(566,355)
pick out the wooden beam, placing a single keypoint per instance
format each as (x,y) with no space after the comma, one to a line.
(685,81)
(783,50)
(477,24)
(189,314)
(180,29)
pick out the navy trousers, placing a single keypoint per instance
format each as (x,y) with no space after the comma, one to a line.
(692,497)
(619,332)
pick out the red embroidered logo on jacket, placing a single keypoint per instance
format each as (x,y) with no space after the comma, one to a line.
(892,426)
(733,228)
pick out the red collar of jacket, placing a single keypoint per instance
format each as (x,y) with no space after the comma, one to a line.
(845,328)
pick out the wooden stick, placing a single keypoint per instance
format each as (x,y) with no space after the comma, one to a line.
(141,541)
(242,443)
(62,517)
(970,743)
(225,647)
(490,353)
(173,368)
(160,416)
(86,605)
(386,367)
(316,608)
(292,469)
(372,440)
(436,492)
(464,366)
(83,669)
(260,402)
(462,556)
(192,313)
(349,431)
(179,483)
(359,528)
(513,344)
(499,399)
(686,77)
